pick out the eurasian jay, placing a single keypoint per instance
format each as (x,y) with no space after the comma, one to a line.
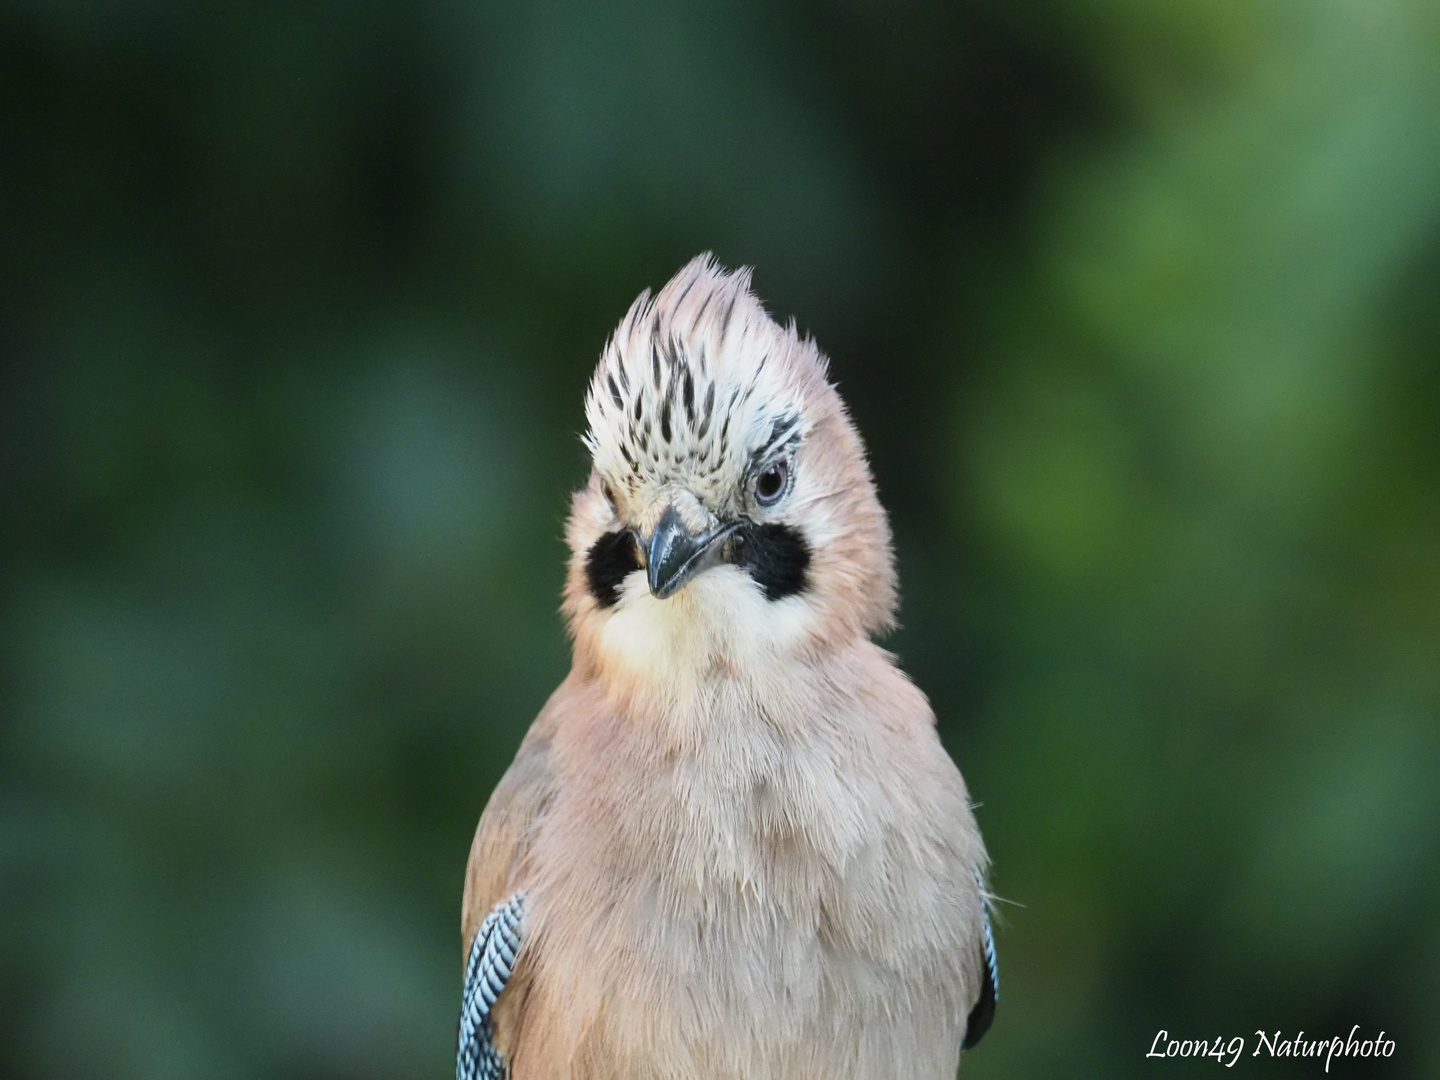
(731,846)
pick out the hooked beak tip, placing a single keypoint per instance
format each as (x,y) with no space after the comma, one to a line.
(676,554)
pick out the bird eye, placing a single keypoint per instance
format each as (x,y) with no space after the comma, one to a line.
(770,484)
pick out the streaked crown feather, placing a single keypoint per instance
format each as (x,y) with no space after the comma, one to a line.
(699,382)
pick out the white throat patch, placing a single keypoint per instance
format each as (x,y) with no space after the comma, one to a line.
(717,627)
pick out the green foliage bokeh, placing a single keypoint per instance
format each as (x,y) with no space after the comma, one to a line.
(1135,304)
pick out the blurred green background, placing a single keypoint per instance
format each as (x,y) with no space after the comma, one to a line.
(1137,306)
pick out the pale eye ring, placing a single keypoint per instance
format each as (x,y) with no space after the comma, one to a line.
(770,484)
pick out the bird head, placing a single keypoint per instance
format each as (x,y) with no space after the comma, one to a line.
(730,514)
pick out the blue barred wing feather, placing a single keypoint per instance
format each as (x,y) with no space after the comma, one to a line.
(492,959)
(983,1011)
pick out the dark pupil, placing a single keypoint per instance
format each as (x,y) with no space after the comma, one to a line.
(768,485)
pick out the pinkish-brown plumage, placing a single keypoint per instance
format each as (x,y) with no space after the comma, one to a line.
(744,851)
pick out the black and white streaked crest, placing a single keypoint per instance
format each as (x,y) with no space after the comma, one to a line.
(492,959)
(699,384)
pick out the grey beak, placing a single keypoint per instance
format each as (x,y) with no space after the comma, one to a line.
(676,554)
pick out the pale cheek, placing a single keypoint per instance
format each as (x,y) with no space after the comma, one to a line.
(721,623)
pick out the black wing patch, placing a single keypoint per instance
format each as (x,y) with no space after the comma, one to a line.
(492,958)
(984,1011)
